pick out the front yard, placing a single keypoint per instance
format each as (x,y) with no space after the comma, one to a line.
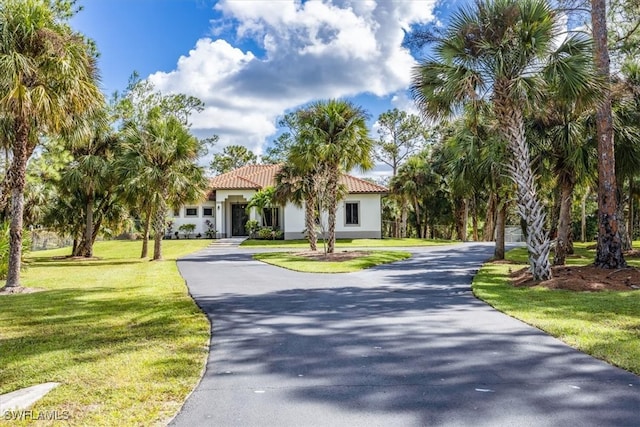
(603,324)
(121,334)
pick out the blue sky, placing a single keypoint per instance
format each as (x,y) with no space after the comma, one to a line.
(252,61)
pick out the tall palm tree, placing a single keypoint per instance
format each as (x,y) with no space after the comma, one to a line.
(47,76)
(501,49)
(334,134)
(161,157)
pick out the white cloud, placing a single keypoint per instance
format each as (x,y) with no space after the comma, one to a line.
(312,50)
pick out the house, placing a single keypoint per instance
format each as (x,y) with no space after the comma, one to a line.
(358,215)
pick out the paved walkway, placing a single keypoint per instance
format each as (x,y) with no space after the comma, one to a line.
(399,345)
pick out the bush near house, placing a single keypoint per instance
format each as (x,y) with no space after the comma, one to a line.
(187,229)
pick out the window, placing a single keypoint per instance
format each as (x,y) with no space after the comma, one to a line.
(207,211)
(352,216)
(271,217)
(191,212)
(176,212)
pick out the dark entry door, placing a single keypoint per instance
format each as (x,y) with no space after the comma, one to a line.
(239,219)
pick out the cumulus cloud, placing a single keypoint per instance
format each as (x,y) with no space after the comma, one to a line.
(309,50)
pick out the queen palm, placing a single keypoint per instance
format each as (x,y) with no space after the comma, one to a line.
(333,134)
(502,49)
(47,79)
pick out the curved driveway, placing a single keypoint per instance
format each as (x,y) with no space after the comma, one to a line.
(404,344)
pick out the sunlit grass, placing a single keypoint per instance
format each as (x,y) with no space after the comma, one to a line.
(121,334)
(350,243)
(304,264)
(603,324)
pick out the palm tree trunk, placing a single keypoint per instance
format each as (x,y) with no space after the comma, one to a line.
(332,193)
(158,228)
(310,220)
(16,176)
(501,219)
(609,252)
(564,221)
(145,234)
(529,207)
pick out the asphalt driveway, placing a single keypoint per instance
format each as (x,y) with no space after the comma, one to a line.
(404,344)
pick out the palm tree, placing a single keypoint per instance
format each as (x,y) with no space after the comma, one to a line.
(48,78)
(502,49)
(264,199)
(160,157)
(294,183)
(334,135)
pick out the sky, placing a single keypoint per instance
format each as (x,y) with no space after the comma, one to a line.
(251,62)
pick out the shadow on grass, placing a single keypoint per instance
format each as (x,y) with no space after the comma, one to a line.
(87,326)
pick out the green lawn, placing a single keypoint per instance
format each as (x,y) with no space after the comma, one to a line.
(603,324)
(121,334)
(303,264)
(349,243)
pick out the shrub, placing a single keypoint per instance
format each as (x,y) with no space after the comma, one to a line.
(187,229)
(252,227)
(267,233)
(210,232)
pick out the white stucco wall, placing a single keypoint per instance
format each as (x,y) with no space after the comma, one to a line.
(199,220)
(369,219)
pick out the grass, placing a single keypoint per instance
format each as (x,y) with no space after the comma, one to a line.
(349,243)
(121,334)
(605,324)
(306,265)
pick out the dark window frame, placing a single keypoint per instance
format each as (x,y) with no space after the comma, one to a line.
(191,215)
(349,213)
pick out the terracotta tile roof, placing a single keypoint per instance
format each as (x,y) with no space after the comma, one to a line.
(357,185)
(255,177)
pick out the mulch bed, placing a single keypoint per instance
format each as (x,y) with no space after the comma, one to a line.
(584,278)
(334,257)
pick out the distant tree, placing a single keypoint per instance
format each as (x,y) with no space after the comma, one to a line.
(279,149)
(48,77)
(231,158)
(400,135)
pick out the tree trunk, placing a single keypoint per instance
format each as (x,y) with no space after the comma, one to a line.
(145,234)
(622,226)
(631,213)
(332,193)
(490,220)
(87,251)
(16,176)
(403,218)
(461,219)
(310,220)
(474,217)
(583,223)
(564,221)
(158,228)
(609,252)
(501,219)
(529,207)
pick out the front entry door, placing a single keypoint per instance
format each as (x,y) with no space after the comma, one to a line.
(239,219)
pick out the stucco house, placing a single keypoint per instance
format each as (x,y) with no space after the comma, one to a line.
(358,215)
